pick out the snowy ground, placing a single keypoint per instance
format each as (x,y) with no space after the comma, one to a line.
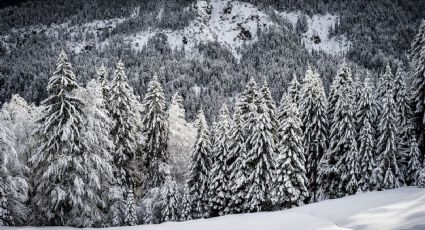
(402,209)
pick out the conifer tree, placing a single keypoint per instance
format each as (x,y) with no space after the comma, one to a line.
(102,79)
(125,114)
(385,82)
(414,165)
(294,90)
(237,168)
(269,103)
(130,209)
(417,58)
(249,95)
(171,198)
(290,179)
(186,207)
(219,175)
(421,180)
(155,133)
(337,163)
(387,175)
(313,108)
(365,117)
(259,160)
(200,166)
(66,194)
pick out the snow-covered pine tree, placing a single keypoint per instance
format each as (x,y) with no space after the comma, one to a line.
(102,79)
(405,127)
(421,180)
(290,176)
(365,118)
(155,133)
(181,137)
(385,82)
(294,90)
(171,198)
(237,168)
(130,218)
(357,87)
(249,95)
(13,184)
(186,205)
(313,109)
(219,175)
(67,171)
(387,174)
(259,160)
(125,114)
(200,166)
(268,101)
(417,58)
(337,163)
(414,165)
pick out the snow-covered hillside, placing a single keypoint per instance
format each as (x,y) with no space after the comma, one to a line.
(232,23)
(402,208)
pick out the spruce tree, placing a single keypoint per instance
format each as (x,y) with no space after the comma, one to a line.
(387,174)
(290,179)
(337,163)
(130,209)
(237,168)
(313,108)
(155,134)
(421,180)
(259,160)
(414,165)
(365,117)
(66,194)
(125,114)
(171,198)
(219,175)
(102,79)
(385,82)
(249,96)
(294,90)
(200,166)
(417,58)
(269,103)
(186,206)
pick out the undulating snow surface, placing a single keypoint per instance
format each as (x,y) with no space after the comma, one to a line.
(320,25)
(402,208)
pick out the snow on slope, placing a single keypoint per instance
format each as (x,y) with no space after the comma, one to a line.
(402,208)
(320,25)
(231,23)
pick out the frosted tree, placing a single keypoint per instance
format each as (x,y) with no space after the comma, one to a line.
(13,184)
(102,79)
(313,109)
(125,114)
(171,198)
(294,90)
(269,103)
(417,58)
(200,166)
(387,173)
(421,180)
(290,179)
(337,162)
(130,209)
(365,117)
(155,134)
(181,137)
(259,160)
(67,171)
(186,205)
(219,175)
(357,87)
(249,95)
(414,165)
(385,82)
(237,169)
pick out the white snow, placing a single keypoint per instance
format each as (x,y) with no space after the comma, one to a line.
(320,25)
(402,208)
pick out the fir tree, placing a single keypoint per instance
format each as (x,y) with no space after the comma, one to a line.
(125,114)
(130,209)
(421,180)
(414,165)
(290,179)
(337,163)
(366,115)
(66,194)
(171,198)
(387,174)
(249,95)
(294,89)
(186,207)
(237,168)
(269,103)
(200,167)
(219,177)
(417,58)
(102,79)
(385,82)
(259,160)
(155,134)
(315,128)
